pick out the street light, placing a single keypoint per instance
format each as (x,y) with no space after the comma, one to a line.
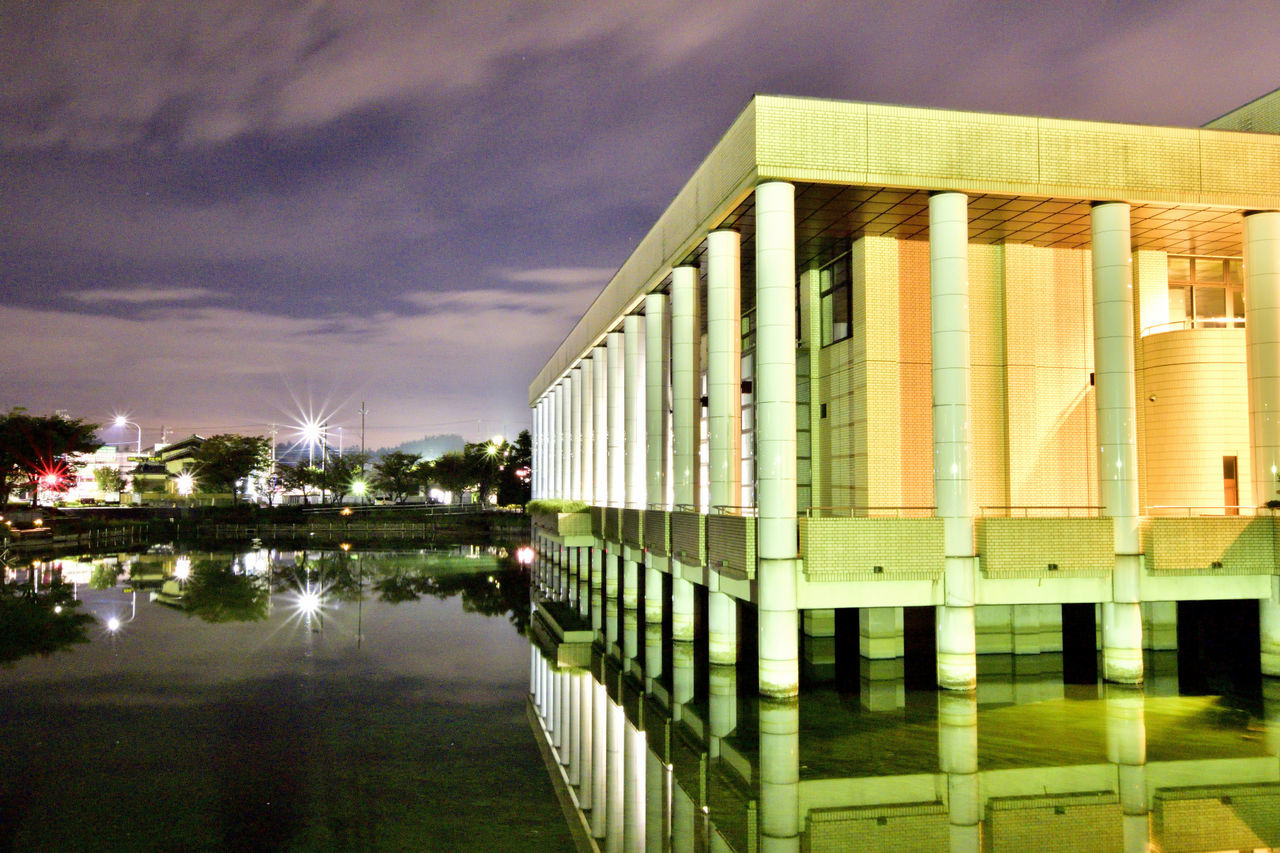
(121,421)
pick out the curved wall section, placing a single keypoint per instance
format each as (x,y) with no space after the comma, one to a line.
(1196,413)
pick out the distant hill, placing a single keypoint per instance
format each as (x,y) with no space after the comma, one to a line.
(428,447)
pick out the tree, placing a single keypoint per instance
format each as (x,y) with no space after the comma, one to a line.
(34,450)
(108,479)
(341,472)
(395,475)
(301,477)
(222,461)
(513,481)
(451,472)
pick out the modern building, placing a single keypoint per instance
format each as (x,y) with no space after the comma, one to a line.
(883,357)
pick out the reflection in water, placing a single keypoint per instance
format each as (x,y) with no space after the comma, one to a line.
(216,734)
(39,615)
(1026,764)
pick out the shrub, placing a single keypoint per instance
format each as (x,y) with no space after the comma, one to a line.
(542,506)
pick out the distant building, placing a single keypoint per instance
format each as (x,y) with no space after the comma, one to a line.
(987,364)
(157,472)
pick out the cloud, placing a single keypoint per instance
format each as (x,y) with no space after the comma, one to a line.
(565,276)
(143,295)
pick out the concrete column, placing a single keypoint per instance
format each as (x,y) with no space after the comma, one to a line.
(686,405)
(685,382)
(633,823)
(780,776)
(599,760)
(1262,349)
(586,429)
(724,414)
(556,443)
(566,738)
(598,557)
(557,710)
(819,644)
(776,439)
(1127,750)
(958,758)
(635,473)
(615,345)
(724,367)
(1262,359)
(949,317)
(682,677)
(585,733)
(600,419)
(723,705)
(615,770)
(535,431)
(575,433)
(684,825)
(657,811)
(1117,436)
(880,633)
(634,397)
(657,375)
(566,438)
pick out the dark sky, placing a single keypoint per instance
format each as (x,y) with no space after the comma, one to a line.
(219,214)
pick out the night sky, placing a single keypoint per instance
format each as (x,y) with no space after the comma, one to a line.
(220,214)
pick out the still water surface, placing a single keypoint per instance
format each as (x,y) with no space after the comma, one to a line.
(275,700)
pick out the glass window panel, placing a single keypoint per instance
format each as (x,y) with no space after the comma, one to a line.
(1179,268)
(1237,306)
(1178,304)
(1208,269)
(1211,306)
(1233,272)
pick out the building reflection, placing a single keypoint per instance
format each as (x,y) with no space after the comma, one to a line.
(1024,763)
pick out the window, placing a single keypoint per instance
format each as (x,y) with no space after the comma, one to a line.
(1205,293)
(837,300)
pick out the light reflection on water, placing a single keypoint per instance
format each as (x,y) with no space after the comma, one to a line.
(300,700)
(866,764)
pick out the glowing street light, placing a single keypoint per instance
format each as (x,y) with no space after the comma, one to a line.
(122,421)
(185,483)
(524,555)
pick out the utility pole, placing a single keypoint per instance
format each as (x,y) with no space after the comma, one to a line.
(363,412)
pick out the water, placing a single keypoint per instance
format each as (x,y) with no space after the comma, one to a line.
(691,760)
(225,713)
(331,700)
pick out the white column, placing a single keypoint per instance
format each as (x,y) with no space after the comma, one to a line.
(1117,436)
(617,438)
(686,391)
(575,433)
(949,315)
(566,437)
(1262,349)
(776,438)
(657,374)
(633,833)
(686,416)
(724,367)
(616,772)
(587,429)
(535,431)
(724,406)
(586,731)
(780,776)
(554,442)
(1262,357)
(1127,750)
(599,760)
(634,395)
(958,759)
(600,417)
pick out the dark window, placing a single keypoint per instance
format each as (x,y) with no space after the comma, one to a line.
(837,300)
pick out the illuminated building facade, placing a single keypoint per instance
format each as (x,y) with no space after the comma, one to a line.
(883,357)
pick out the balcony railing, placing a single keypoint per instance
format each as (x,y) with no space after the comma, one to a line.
(869,512)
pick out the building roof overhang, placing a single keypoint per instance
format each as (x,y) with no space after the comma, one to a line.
(868,169)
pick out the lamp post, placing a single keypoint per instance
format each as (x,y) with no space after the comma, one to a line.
(121,421)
